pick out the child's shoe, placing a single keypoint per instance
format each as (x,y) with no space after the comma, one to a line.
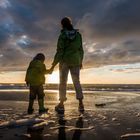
(45,110)
(30,111)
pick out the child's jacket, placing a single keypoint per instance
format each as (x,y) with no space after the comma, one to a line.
(35,74)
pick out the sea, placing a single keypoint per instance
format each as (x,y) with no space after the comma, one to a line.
(70,88)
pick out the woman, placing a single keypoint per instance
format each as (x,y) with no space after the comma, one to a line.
(69,55)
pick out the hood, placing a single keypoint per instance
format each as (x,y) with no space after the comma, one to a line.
(71,34)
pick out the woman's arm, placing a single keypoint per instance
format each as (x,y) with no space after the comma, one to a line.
(81,50)
(59,52)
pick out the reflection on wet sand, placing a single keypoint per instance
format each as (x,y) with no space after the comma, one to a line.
(62,133)
(107,116)
(35,134)
(61,130)
(78,132)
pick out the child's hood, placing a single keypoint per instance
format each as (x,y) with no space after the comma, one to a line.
(36,63)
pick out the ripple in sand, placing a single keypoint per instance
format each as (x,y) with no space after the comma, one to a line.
(6,109)
(47,135)
(114,119)
(39,125)
(72,128)
(23,135)
(81,129)
(131,136)
(21,122)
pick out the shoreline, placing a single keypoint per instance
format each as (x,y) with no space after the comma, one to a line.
(117,119)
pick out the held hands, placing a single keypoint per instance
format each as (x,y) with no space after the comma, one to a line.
(27,83)
(81,66)
(49,71)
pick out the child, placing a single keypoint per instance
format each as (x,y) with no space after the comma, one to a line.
(35,78)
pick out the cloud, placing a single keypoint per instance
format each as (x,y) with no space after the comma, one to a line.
(123,52)
(110,30)
(113,18)
(127,68)
(4,4)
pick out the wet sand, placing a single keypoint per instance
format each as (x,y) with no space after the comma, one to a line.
(107,116)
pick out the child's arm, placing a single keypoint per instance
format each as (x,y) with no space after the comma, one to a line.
(46,71)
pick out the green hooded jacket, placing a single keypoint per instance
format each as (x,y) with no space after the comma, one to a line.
(35,74)
(69,48)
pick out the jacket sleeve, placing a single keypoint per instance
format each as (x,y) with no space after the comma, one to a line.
(27,74)
(59,52)
(81,49)
(42,69)
(26,77)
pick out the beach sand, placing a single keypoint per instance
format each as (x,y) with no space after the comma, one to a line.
(107,116)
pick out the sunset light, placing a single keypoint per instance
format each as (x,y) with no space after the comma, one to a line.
(54,78)
(69,69)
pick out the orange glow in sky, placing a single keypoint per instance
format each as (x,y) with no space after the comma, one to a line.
(101,75)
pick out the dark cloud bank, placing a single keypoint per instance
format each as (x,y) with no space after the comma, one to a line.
(110,29)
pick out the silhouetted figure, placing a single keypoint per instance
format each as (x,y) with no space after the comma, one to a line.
(69,55)
(35,78)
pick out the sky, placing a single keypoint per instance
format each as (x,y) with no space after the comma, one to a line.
(110,30)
